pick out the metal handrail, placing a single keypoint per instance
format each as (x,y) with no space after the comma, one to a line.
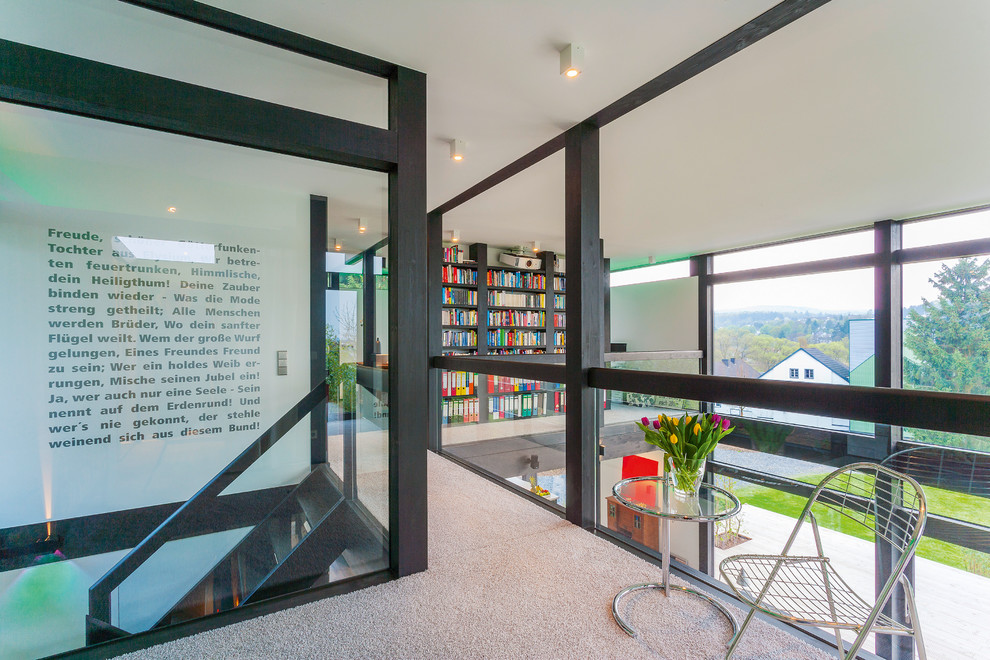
(99,593)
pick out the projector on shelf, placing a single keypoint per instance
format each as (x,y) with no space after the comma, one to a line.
(520,260)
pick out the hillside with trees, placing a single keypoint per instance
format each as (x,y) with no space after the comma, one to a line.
(762,338)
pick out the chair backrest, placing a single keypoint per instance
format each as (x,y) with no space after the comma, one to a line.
(889,504)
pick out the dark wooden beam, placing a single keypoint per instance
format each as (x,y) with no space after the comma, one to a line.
(545,150)
(318,322)
(764,25)
(585,320)
(938,411)
(944,251)
(219,19)
(408,373)
(55,81)
(434,312)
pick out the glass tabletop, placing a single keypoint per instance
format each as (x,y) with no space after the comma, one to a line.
(654,496)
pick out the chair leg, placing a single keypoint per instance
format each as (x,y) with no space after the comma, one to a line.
(919,641)
(858,643)
(839,646)
(735,638)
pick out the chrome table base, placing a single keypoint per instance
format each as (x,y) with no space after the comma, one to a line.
(653,585)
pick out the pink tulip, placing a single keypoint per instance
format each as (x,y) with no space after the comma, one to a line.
(646,421)
(725,425)
(656,424)
(716,419)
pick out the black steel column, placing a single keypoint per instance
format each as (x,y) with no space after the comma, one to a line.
(887,338)
(702,267)
(408,374)
(479,253)
(434,313)
(318,323)
(584,319)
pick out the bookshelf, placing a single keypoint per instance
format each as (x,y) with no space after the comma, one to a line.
(499,310)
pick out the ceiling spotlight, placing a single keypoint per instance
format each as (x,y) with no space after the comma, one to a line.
(455,235)
(362,227)
(457,150)
(572,61)
(336,245)
(536,246)
(171,209)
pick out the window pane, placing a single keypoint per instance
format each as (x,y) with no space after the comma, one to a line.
(669,271)
(161,322)
(829,247)
(947,325)
(947,229)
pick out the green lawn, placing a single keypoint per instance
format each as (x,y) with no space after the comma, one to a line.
(947,503)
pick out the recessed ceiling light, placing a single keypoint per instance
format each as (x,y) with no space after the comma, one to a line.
(171,209)
(457,150)
(572,60)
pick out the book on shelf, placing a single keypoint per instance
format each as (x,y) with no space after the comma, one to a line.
(559,301)
(517,280)
(462,338)
(455,254)
(559,283)
(512,299)
(524,338)
(526,404)
(460,411)
(560,338)
(456,383)
(503,384)
(560,320)
(453,296)
(455,275)
(460,317)
(517,317)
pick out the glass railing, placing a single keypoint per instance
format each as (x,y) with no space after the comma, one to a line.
(772,468)
(512,428)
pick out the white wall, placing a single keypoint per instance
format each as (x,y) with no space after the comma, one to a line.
(656,315)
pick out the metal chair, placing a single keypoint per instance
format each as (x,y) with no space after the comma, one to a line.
(809,590)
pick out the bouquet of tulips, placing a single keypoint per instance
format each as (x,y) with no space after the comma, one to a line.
(686,440)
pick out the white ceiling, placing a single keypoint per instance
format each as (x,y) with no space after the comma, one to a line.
(862,110)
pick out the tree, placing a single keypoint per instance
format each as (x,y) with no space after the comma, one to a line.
(950,337)
(949,341)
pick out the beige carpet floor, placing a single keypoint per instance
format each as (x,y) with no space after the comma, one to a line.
(506,580)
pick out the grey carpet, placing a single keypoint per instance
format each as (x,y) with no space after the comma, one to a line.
(506,580)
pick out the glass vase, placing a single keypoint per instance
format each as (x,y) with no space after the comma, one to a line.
(686,475)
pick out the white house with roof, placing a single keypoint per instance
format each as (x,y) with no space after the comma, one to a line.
(805,365)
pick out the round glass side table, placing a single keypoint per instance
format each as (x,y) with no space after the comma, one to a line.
(654,496)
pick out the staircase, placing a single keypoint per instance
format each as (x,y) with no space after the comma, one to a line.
(173,576)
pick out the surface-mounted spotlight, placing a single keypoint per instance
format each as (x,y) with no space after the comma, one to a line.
(455,235)
(336,245)
(572,61)
(457,150)
(362,226)
(171,209)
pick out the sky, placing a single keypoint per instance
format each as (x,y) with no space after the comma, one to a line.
(848,291)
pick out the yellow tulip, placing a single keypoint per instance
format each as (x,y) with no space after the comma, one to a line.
(673,438)
(697,429)
(687,420)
